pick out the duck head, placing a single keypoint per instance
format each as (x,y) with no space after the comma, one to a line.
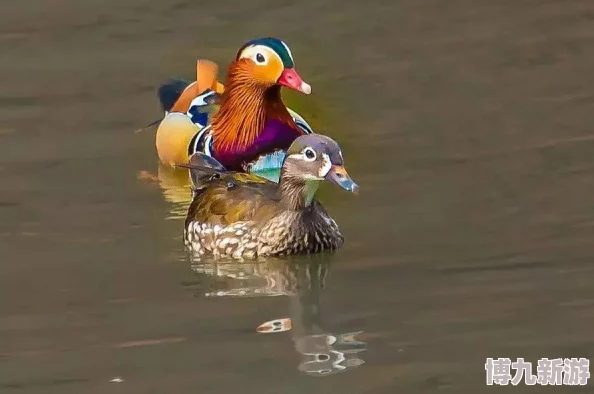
(269,61)
(313,158)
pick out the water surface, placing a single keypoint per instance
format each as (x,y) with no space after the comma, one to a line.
(467,125)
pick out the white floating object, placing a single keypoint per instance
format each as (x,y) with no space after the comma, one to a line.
(273,326)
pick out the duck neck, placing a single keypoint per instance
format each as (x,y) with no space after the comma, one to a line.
(297,194)
(246,105)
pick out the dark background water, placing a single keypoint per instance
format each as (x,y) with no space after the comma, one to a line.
(467,124)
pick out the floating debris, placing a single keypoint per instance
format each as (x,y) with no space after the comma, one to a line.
(273,326)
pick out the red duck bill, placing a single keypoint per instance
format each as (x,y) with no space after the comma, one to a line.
(292,80)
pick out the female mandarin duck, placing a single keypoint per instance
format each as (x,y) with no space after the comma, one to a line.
(243,215)
(252,128)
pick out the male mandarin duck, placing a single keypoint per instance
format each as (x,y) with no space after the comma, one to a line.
(239,215)
(252,128)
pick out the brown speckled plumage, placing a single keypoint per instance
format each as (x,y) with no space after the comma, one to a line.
(242,215)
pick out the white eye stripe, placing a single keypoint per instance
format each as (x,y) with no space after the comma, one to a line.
(253,51)
(302,156)
(298,156)
(288,51)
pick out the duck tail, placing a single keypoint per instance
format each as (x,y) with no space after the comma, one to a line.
(170,91)
(203,168)
(168,94)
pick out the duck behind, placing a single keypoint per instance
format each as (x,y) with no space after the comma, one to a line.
(243,215)
(252,128)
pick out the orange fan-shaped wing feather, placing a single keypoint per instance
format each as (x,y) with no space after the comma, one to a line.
(206,78)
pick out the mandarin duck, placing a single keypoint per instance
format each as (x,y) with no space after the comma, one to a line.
(237,215)
(252,128)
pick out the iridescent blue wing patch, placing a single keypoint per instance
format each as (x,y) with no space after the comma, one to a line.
(268,166)
(268,162)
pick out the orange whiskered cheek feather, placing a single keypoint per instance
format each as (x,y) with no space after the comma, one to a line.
(268,73)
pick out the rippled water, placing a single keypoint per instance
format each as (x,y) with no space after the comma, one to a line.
(467,125)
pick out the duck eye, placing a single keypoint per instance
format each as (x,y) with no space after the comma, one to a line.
(260,58)
(309,153)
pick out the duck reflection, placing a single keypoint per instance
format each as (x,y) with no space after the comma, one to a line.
(228,278)
(175,184)
(322,352)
